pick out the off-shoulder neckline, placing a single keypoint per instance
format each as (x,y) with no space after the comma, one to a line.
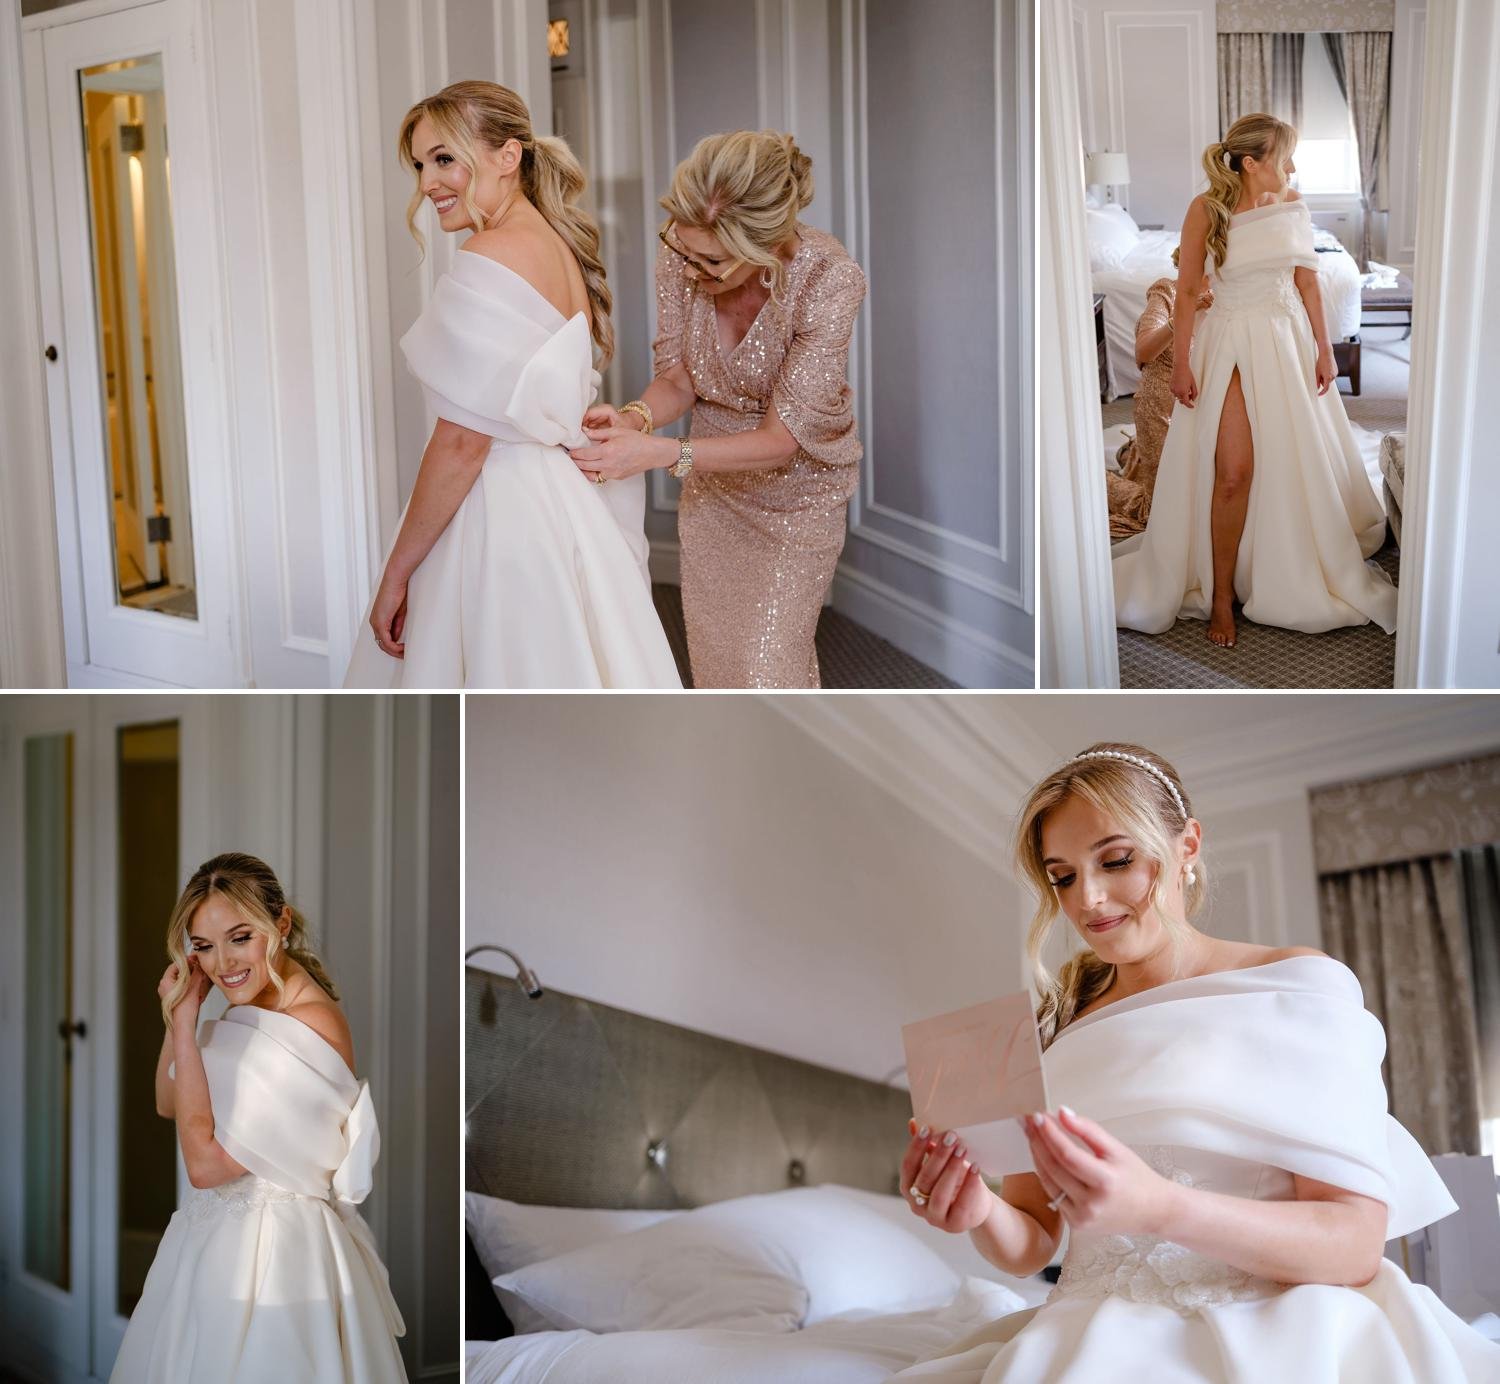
(1271,210)
(254,1017)
(1150,996)
(525,283)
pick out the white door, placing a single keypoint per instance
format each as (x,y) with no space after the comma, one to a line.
(49,1048)
(98,834)
(132,302)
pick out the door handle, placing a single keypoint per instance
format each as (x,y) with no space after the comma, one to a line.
(65,1030)
(51,353)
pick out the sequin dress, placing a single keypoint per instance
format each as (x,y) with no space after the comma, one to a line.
(1130,488)
(759,547)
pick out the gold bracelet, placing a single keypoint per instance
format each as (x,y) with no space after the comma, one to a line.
(636,407)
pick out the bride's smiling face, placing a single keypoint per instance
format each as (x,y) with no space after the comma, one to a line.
(1103,880)
(442,178)
(230,952)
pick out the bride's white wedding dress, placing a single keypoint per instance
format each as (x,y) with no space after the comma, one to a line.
(1234,1082)
(540,578)
(1313,517)
(273,1278)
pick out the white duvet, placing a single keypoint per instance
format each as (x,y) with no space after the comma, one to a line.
(1124,291)
(856,1348)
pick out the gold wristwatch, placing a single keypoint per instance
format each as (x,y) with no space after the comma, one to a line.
(684,462)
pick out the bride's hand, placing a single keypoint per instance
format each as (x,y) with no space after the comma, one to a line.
(956,1198)
(388,614)
(1110,1190)
(1327,370)
(1184,386)
(198,986)
(619,453)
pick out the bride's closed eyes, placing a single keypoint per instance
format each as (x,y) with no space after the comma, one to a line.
(1122,862)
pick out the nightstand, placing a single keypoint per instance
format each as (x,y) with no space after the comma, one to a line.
(1099,346)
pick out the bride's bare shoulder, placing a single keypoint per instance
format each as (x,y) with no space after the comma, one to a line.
(1247,954)
(327,1020)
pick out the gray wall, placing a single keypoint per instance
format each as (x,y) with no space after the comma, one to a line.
(919,132)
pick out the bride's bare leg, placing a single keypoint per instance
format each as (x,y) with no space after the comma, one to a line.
(1234,464)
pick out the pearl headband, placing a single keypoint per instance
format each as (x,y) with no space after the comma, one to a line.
(1140,763)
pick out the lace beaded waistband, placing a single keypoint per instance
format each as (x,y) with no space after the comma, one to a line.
(237,1198)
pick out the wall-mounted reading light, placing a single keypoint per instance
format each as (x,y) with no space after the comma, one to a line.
(525,976)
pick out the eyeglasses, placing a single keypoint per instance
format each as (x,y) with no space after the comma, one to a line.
(702,270)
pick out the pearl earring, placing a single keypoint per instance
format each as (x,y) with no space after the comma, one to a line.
(1192,875)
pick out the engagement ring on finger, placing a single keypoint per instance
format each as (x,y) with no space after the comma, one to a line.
(1057,1201)
(918,1198)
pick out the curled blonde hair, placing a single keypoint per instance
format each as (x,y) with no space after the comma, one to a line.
(1256,136)
(746,188)
(1145,809)
(252,887)
(469,114)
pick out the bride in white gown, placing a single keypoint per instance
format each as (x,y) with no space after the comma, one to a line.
(268,1274)
(1261,493)
(1232,1175)
(509,568)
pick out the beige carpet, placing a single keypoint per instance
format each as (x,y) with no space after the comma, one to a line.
(849,655)
(1265,656)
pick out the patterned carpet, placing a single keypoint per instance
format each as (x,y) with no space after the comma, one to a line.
(849,656)
(1265,656)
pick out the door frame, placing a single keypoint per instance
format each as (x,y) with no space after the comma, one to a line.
(94,723)
(47,1313)
(1455,217)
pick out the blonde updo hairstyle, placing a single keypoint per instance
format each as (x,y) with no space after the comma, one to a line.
(252,887)
(746,188)
(1145,810)
(1257,136)
(467,115)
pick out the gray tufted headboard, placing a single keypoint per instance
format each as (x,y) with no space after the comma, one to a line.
(573,1103)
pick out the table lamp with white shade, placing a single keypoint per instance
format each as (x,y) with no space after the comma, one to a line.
(1108,170)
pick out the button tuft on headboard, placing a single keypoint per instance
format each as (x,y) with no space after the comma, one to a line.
(796,1174)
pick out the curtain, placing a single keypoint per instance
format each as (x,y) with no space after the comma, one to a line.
(1401,929)
(1260,72)
(1246,68)
(1286,78)
(1362,65)
(1480,871)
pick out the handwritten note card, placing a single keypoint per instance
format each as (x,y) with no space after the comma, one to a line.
(978,1071)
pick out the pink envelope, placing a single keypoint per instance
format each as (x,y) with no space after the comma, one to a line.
(978,1071)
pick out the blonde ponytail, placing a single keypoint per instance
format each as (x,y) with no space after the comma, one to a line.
(468,114)
(1080,980)
(553,182)
(1257,136)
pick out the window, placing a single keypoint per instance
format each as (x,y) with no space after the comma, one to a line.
(1327,157)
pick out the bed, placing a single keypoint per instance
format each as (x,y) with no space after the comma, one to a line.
(645,1202)
(1124,261)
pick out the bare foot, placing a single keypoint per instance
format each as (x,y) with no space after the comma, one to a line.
(1221,626)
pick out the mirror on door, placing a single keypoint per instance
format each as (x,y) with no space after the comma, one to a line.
(50,1022)
(129,180)
(148,765)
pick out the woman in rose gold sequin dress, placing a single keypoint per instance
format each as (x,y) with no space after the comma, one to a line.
(754,314)
(1131,487)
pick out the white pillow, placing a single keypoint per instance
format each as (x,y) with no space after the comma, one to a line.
(1112,235)
(508,1235)
(761,1263)
(956,1251)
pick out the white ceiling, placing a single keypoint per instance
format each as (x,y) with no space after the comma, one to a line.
(965,761)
